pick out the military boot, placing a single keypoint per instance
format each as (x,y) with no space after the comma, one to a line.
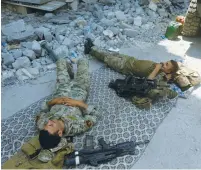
(87,46)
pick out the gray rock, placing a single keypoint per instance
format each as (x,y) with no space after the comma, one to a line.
(27,45)
(36,48)
(13,28)
(36,64)
(46,61)
(67,41)
(59,38)
(143,2)
(28,35)
(33,71)
(162,12)
(120,15)
(17,53)
(115,30)
(139,11)
(22,62)
(124,25)
(108,33)
(49,15)
(7,74)
(131,33)
(167,2)
(110,15)
(48,36)
(30,54)
(62,51)
(51,66)
(107,22)
(107,2)
(138,21)
(81,23)
(7,58)
(40,31)
(74,5)
(22,74)
(152,6)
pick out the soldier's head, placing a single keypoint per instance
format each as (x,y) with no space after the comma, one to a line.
(170,67)
(51,135)
(47,140)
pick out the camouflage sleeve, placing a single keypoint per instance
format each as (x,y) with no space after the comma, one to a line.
(41,120)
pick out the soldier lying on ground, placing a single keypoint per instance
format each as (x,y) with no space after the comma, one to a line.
(166,71)
(65,115)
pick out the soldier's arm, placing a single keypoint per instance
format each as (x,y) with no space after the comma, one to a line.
(155,72)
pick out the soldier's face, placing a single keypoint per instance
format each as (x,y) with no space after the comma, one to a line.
(167,67)
(52,126)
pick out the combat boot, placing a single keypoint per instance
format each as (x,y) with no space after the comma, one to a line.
(87,46)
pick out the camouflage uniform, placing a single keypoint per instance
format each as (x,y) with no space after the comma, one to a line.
(132,66)
(75,120)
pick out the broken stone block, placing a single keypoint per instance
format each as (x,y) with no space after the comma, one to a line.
(162,12)
(7,74)
(130,33)
(22,62)
(110,15)
(51,66)
(62,51)
(21,75)
(115,30)
(40,31)
(152,6)
(81,23)
(30,54)
(74,5)
(120,15)
(138,21)
(107,2)
(36,48)
(143,2)
(33,71)
(48,36)
(107,22)
(27,45)
(14,27)
(67,42)
(49,15)
(17,53)
(108,33)
(23,36)
(7,58)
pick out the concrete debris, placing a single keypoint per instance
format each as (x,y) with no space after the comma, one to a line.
(30,54)
(48,36)
(143,2)
(120,15)
(13,28)
(108,33)
(8,59)
(22,62)
(8,74)
(22,74)
(131,33)
(33,71)
(109,23)
(138,21)
(152,6)
(17,53)
(36,48)
(51,66)
(49,15)
(74,5)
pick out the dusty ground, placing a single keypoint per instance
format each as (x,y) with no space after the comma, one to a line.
(176,143)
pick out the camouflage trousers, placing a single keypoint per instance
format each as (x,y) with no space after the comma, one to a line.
(76,88)
(117,62)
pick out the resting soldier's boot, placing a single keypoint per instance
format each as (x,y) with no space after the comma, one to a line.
(171,94)
(87,46)
(54,57)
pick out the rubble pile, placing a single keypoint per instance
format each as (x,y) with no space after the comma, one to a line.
(109,23)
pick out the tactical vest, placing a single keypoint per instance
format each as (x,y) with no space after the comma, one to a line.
(31,156)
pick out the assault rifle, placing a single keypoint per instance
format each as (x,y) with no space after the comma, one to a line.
(131,86)
(104,154)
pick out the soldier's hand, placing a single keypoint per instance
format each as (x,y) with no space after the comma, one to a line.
(158,66)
